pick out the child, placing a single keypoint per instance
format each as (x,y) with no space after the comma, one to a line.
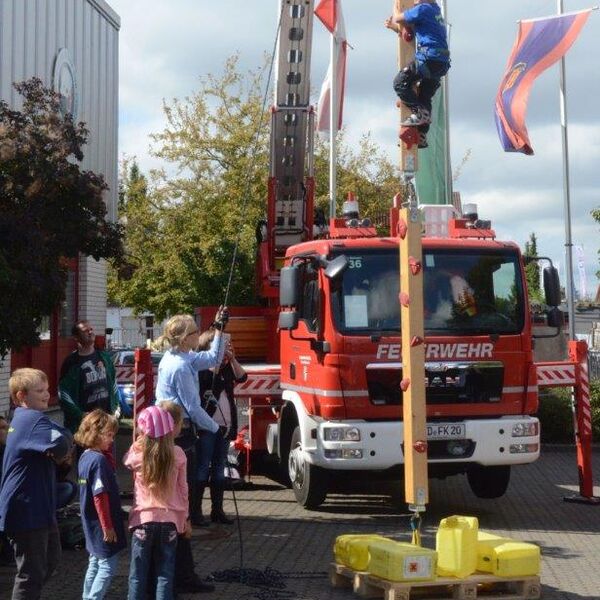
(100,505)
(432,61)
(28,490)
(186,579)
(160,509)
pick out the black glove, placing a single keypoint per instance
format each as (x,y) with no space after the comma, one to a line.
(223,431)
(221,318)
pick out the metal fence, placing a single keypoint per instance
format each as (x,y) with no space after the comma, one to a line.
(137,337)
(594,356)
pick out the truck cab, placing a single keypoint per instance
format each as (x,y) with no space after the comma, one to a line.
(341,362)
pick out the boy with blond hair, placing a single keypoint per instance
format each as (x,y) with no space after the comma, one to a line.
(28,489)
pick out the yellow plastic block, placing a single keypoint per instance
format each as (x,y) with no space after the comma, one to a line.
(399,561)
(505,557)
(352,550)
(456,545)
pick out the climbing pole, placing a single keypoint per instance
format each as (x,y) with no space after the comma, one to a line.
(411,313)
(409,136)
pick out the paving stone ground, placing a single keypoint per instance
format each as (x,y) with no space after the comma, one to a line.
(278,534)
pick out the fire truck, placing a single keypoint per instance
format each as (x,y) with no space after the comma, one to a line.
(323,349)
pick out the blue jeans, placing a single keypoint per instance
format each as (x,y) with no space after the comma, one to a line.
(99,574)
(152,544)
(211,457)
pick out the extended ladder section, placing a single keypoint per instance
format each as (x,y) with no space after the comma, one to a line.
(291,185)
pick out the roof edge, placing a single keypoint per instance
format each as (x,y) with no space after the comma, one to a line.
(104,8)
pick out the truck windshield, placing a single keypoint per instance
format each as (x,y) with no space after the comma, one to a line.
(470,292)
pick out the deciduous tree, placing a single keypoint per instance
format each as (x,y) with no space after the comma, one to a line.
(212,192)
(50,210)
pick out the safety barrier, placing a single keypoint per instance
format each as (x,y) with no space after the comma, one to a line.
(575,374)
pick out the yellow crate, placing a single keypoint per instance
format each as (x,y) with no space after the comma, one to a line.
(352,550)
(399,561)
(505,557)
(456,545)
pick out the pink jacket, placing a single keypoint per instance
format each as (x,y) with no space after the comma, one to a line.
(148,509)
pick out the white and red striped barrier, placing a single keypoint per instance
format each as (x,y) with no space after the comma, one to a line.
(259,385)
(575,374)
(144,382)
(556,375)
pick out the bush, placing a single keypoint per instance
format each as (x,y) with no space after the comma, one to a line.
(556,417)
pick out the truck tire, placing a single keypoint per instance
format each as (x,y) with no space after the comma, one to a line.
(308,481)
(489,482)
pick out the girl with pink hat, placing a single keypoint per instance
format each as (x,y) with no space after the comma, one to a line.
(160,508)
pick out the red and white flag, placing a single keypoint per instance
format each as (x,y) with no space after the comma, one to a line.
(330,14)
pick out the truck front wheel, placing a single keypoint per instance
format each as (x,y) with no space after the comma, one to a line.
(489,482)
(308,481)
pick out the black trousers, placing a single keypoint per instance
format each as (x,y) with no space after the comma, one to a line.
(37,553)
(416,85)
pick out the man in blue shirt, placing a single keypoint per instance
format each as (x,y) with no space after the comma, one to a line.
(417,82)
(28,489)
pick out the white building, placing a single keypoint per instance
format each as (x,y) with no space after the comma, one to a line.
(71,45)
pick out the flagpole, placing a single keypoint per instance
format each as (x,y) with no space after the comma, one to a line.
(333,122)
(445,91)
(566,192)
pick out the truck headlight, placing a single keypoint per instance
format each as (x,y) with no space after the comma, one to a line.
(523,448)
(341,434)
(344,453)
(525,429)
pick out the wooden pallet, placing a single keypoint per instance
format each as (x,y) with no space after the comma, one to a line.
(479,586)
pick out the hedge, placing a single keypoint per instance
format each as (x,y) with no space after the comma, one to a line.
(556,416)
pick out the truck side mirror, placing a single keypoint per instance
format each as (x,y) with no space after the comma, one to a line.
(336,267)
(551,286)
(288,320)
(288,286)
(556,318)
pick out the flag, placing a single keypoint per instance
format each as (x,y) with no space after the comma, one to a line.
(330,14)
(582,275)
(540,43)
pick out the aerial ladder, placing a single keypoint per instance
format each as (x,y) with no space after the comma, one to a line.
(291,183)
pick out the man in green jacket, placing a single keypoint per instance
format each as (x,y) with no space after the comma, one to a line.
(87,379)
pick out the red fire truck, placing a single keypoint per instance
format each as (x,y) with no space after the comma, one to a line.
(323,350)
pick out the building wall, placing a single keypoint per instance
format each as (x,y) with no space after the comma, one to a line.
(4,375)
(31,34)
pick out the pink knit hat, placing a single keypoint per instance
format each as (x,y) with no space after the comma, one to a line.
(155,422)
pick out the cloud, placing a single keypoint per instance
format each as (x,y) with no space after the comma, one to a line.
(166,49)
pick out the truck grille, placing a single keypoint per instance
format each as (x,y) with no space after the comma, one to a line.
(446,383)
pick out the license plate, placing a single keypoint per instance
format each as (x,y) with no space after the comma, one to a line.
(446,431)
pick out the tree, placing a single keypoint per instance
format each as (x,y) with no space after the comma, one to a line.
(181,232)
(532,271)
(50,210)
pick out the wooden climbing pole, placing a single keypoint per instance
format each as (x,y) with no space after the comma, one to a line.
(411,312)
(409,158)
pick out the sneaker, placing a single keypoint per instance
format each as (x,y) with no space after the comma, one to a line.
(422,141)
(419,117)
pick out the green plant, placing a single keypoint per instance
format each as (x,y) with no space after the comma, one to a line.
(556,416)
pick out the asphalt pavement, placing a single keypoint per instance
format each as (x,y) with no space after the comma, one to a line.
(276,534)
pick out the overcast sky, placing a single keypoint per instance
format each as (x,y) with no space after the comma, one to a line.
(166,48)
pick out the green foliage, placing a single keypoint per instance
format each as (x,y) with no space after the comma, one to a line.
(49,210)
(532,272)
(556,416)
(181,227)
